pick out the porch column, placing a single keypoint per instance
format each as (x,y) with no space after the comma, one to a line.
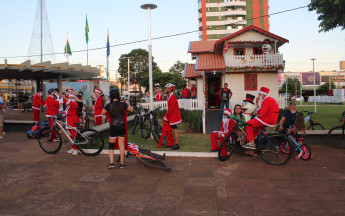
(90,92)
(59,82)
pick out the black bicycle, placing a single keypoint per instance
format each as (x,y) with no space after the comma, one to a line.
(336,134)
(312,125)
(87,122)
(156,128)
(268,145)
(143,119)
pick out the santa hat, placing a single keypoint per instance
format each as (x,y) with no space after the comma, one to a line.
(71,95)
(98,90)
(264,90)
(249,98)
(228,111)
(70,90)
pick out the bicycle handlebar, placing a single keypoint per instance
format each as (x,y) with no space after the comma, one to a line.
(307,112)
(237,121)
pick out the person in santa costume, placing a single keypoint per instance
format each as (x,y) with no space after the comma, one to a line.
(159,96)
(267,116)
(53,106)
(116,112)
(71,113)
(36,103)
(171,119)
(98,107)
(225,129)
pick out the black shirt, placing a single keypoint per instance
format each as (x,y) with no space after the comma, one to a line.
(116,110)
(289,118)
(224,95)
(80,107)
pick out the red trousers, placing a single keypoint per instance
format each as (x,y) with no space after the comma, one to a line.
(251,134)
(214,143)
(167,129)
(72,137)
(51,122)
(36,115)
(99,120)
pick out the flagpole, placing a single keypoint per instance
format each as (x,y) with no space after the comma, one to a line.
(108,62)
(87,52)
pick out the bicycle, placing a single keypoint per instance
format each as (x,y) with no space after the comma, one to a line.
(303,150)
(336,134)
(89,141)
(313,125)
(87,121)
(268,145)
(156,128)
(144,123)
(146,157)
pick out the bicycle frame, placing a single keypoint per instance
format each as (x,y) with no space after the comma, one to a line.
(298,146)
(60,124)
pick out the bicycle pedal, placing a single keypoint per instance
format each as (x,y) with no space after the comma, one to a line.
(66,140)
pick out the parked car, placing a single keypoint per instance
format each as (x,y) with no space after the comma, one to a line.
(298,98)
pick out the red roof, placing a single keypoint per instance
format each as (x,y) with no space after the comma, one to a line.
(219,43)
(201,46)
(210,62)
(189,71)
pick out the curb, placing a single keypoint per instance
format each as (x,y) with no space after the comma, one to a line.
(175,154)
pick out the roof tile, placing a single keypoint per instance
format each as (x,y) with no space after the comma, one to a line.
(201,46)
(208,62)
(190,72)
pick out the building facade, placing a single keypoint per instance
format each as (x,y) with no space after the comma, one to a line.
(220,18)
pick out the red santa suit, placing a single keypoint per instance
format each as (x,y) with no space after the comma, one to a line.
(38,100)
(52,110)
(268,112)
(159,97)
(225,129)
(172,117)
(98,107)
(72,117)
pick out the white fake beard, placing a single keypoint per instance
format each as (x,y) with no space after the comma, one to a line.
(73,100)
(225,119)
(40,94)
(260,98)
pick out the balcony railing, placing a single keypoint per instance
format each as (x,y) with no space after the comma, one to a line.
(255,60)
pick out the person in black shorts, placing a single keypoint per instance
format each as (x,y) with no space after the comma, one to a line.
(118,129)
(80,107)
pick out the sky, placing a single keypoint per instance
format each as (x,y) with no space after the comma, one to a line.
(127,22)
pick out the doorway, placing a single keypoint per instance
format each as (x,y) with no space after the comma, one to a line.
(213,85)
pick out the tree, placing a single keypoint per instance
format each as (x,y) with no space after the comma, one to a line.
(160,79)
(178,68)
(331,13)
(325,87)
(292,85)
(139,62)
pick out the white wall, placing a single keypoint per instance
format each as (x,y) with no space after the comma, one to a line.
(200,88)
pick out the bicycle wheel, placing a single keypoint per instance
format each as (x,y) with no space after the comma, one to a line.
(277,128)
(153,163)
(307,152)
(154,155)
(270,149)
(285,147)
(90,142)
(156,131)
(135,123)
(230,142)
(146,128)
(52,143)
(316,126)
(336,137)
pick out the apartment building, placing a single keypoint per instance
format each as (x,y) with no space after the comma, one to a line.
(220,18)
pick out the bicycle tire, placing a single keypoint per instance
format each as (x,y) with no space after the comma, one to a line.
(148,152)
(271,144)
(146,128)
(336,140)
(96,142)
(156,131)
(153,163)
(307,152)
(135,123)
(49,141)
(316,126)
(277,128)
(230,146)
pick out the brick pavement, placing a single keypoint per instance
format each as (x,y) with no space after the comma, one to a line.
(33,182)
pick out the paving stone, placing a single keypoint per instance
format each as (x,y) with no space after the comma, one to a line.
(139,200)
(269,205)
(336,206)
(200,182)
(293,193)
(256,183)
(69,196)
(174,190)
(106,198)
(262,192)
(198,213)
(221,192)
(18,206)
(325,194)
(89,209)
(124,211)
(307,206)
(13,192)
(161,212)
(224,204)
(113,187)
(54,208)
(199,203)
(41,194)
(241,204)
(236,192)
(161,202)
(94,177)
(200,191)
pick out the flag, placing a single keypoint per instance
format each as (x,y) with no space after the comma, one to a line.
(87,31)
(108,46)
(68,52)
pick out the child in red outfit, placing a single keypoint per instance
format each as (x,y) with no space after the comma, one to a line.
(98,107)
(71,118)
(38,100)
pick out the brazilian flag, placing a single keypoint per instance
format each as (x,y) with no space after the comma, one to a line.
(87,31)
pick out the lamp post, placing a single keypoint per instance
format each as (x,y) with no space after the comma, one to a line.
(313,59)
(150,7)
(128,75)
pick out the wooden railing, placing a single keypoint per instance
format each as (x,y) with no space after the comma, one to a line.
(255,60)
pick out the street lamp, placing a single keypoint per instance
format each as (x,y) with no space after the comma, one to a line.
(149,7)
(313,59)
(128,75)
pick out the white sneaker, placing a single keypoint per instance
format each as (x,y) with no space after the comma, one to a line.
(75,152)
(1,137)
(70,151)
(3,133)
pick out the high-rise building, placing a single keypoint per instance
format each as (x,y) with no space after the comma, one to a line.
(220,18)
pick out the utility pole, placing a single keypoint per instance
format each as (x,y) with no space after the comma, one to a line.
(313,59)
(128,75)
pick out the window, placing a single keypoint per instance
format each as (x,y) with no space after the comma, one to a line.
(208,18)
(261,7)
(240,27)
(208,9)
(239,18)
(220,18)
(250,16)
(208,27)
(229,18)
(239,51)
(207,0)
(209,36)
(229,27)
(262,25)
(250,82)
(250,7)
(239,9)
(219,36)
(219,27)
(257,51)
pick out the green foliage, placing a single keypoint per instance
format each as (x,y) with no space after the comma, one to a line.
(292,86)
(178,68)
(331,13)
(139,62)
(160,79)
(325,87)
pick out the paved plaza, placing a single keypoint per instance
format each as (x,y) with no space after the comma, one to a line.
(35,183)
